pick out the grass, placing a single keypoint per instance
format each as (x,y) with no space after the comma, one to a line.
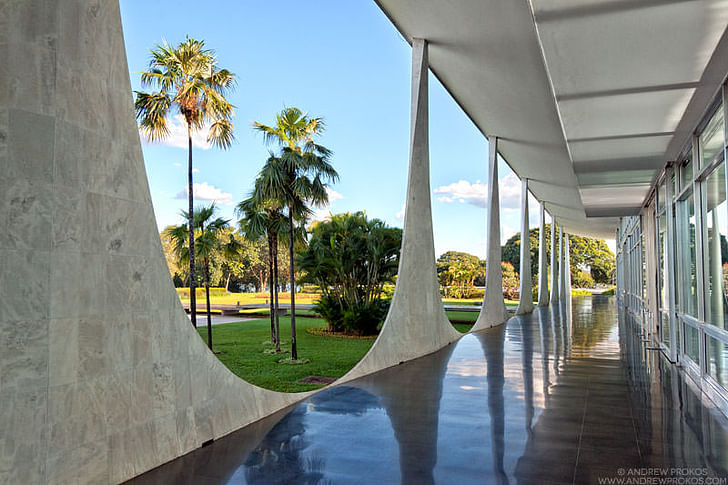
(248,298)
(241,346)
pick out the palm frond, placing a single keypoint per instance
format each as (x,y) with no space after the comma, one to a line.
(221,134)
(151,111)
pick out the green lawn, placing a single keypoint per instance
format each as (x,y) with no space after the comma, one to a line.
(248,298)
(241,346)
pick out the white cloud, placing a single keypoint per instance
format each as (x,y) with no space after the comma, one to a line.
(177,164)
(178,135)
(323,212)
(510,192)
(205,191)
(476,193)
(463,191)
(400,215)
(195,170)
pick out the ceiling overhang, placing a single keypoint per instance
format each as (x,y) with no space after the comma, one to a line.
(589,99)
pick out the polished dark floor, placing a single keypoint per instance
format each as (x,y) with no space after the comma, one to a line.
(550,397)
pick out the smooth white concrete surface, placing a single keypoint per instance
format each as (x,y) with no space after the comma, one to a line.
(562,263)
(102,376)
(543,289)
(567,273)
(525,301)
(554,270)
(416,323)
(493,311)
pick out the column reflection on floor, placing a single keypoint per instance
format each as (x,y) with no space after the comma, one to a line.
(559,396)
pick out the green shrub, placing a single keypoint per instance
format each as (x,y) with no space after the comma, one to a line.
(610,292)
(359,320)
(350,258)
(579,292)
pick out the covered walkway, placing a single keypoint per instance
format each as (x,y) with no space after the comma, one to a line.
(548,398)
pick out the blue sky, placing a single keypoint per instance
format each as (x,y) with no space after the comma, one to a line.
(345,62)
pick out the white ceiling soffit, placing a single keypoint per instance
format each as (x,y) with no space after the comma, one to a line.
(590,96)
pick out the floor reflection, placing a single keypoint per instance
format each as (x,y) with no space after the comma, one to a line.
(557,396)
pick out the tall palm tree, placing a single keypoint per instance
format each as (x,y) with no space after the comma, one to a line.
(187,80)
(263,218)
(209,240)
(299,176)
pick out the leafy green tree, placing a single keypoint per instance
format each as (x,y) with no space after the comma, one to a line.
(187,80)
(510,281)
(210,239)
(350,258)
(459,270)
(298,176)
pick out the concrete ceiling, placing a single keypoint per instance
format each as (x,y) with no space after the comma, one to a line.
(589,98)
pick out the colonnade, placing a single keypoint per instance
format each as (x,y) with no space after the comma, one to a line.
(494,309)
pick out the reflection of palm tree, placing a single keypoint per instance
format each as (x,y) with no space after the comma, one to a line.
(279,457)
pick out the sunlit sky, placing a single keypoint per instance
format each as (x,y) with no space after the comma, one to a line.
(345,62)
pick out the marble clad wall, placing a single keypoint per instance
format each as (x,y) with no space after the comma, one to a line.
(101,375)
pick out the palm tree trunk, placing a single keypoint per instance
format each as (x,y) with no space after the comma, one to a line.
(272,291)
(193,286)
(207,296)
(275,276)
(294,353)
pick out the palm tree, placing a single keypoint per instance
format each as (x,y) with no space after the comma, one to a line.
(209,240)
(263,218)
(299,177)
(188,80)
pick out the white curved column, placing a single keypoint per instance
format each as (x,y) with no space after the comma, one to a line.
(562,266)
(554,272)
(567,271)
(494,306)
(525,301)
(416,324)
(543,289)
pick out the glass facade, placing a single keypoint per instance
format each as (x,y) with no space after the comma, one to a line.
(687,277)
(716,246)
(712,138)
(690,281)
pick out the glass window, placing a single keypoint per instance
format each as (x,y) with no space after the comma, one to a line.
(717,360)
(692,345)
(686,173)
(685,232)
(662,279)
(711,139)
(716,248)
(644,267)
(661,194)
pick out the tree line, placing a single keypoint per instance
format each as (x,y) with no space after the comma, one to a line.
(592,263)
